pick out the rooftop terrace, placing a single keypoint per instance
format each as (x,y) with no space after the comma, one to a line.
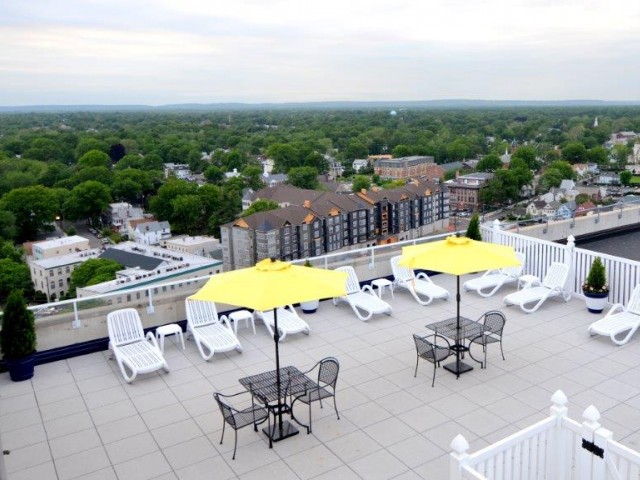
(77,418)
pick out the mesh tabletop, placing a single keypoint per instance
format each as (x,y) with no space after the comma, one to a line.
(449,328)
(264,385)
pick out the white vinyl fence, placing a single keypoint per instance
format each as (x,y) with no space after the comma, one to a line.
(556,448)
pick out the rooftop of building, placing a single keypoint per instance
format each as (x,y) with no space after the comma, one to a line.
(77,418)
(60,242)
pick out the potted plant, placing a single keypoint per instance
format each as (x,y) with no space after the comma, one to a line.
(312,305)
(595,288)
(18,337)
(473,230)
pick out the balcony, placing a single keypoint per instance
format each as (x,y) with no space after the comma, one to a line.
(77,418)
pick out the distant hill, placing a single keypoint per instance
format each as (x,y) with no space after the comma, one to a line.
(424,104)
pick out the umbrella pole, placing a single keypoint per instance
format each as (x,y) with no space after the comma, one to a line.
(458,366)
(282,429)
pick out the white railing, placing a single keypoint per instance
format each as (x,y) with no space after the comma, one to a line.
(556,448)
(622,274)
(163,303)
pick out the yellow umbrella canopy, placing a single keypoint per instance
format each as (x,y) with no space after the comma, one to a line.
(458,255)
(271,284)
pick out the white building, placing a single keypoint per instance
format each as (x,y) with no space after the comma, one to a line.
(59,246)
(359,164)
(201,245)
(52,275)
(118,214)
(151,233)
(146,265)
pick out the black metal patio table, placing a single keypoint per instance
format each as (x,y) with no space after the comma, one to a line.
(264,387)
(459,330)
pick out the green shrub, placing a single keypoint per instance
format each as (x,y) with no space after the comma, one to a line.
(18,335)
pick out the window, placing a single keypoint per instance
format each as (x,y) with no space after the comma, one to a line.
(61,283)
(51,273)
(53,285)
(67,269)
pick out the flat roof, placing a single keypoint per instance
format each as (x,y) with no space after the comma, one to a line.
(60,242)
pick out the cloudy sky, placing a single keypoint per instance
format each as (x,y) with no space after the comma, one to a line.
(159,52)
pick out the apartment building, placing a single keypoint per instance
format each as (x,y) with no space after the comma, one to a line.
(326,222)
(403,168)
(59,246)
(52,275)
(118,213)
(201,245)
(464,190)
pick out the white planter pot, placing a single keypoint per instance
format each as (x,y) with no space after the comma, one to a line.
(310,307)
(595,303)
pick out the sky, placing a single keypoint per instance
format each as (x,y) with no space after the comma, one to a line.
(158,52)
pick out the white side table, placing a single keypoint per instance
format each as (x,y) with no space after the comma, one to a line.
(240,315)
(525,281)
(381,283)
(166,330)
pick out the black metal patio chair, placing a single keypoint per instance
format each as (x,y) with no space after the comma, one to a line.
(240,418)
(328,369)
(431,351)
(492,324)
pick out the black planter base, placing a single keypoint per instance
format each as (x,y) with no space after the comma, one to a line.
(21,369)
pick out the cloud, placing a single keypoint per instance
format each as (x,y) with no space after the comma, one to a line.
(163,51)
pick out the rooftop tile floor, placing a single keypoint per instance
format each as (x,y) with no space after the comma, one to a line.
(79,419)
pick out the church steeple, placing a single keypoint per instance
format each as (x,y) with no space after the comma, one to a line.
(595,122)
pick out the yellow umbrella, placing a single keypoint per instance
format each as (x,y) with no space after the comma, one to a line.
(268,285)
(457,256)
(271,284)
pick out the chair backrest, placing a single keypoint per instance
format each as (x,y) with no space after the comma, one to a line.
(226,410)
(200,312)
(515,272)
(124,327)
(328,371)
(400,272)
(556,275)
(353,285)
(633,305)
(422,344)
(494,322)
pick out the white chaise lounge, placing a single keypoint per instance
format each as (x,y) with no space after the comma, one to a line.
(363,301)
(420,286)
(620,320)
(491,281)
(211,333)
(538,292)
(134,352)
(289,321)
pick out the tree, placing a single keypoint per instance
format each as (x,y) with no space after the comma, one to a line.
(94,158)
(214,174)
(87,200)
(303,177)
(361,182)
(551,178)
(574,152)
(92,272)
(400,151)
(161,204)
(356,149)
(528,155)
(489,163)
(598,155)
(187,214)
(625,177)
(620,153)
(116,152)
(87,144)
(252,175)
(14,275)
(564,168)
(261,205)
(473,230)
(34,208)
(18,335)
(582,198)
(8,230)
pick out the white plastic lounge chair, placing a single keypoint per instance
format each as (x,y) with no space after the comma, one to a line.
(211,334)
(619,320)
(420,286)
(492,280)
(363,301)
(134,352)
(538,292)
(288,321)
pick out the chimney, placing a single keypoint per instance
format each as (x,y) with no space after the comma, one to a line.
(307,204)
(374,189)
(363,191)
(457,174)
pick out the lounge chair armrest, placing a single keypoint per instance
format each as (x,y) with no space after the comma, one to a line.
(618,307)
(225,321)
(152,338)
(368,289)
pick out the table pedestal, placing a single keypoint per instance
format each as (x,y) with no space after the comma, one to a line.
(458,367)
(276,434)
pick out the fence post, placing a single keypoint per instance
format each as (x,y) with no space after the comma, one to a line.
(496,233)
(559,451)
(586,459)
(458,458)
(570,259)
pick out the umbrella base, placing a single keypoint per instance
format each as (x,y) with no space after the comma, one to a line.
(276,433)
(458,367)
